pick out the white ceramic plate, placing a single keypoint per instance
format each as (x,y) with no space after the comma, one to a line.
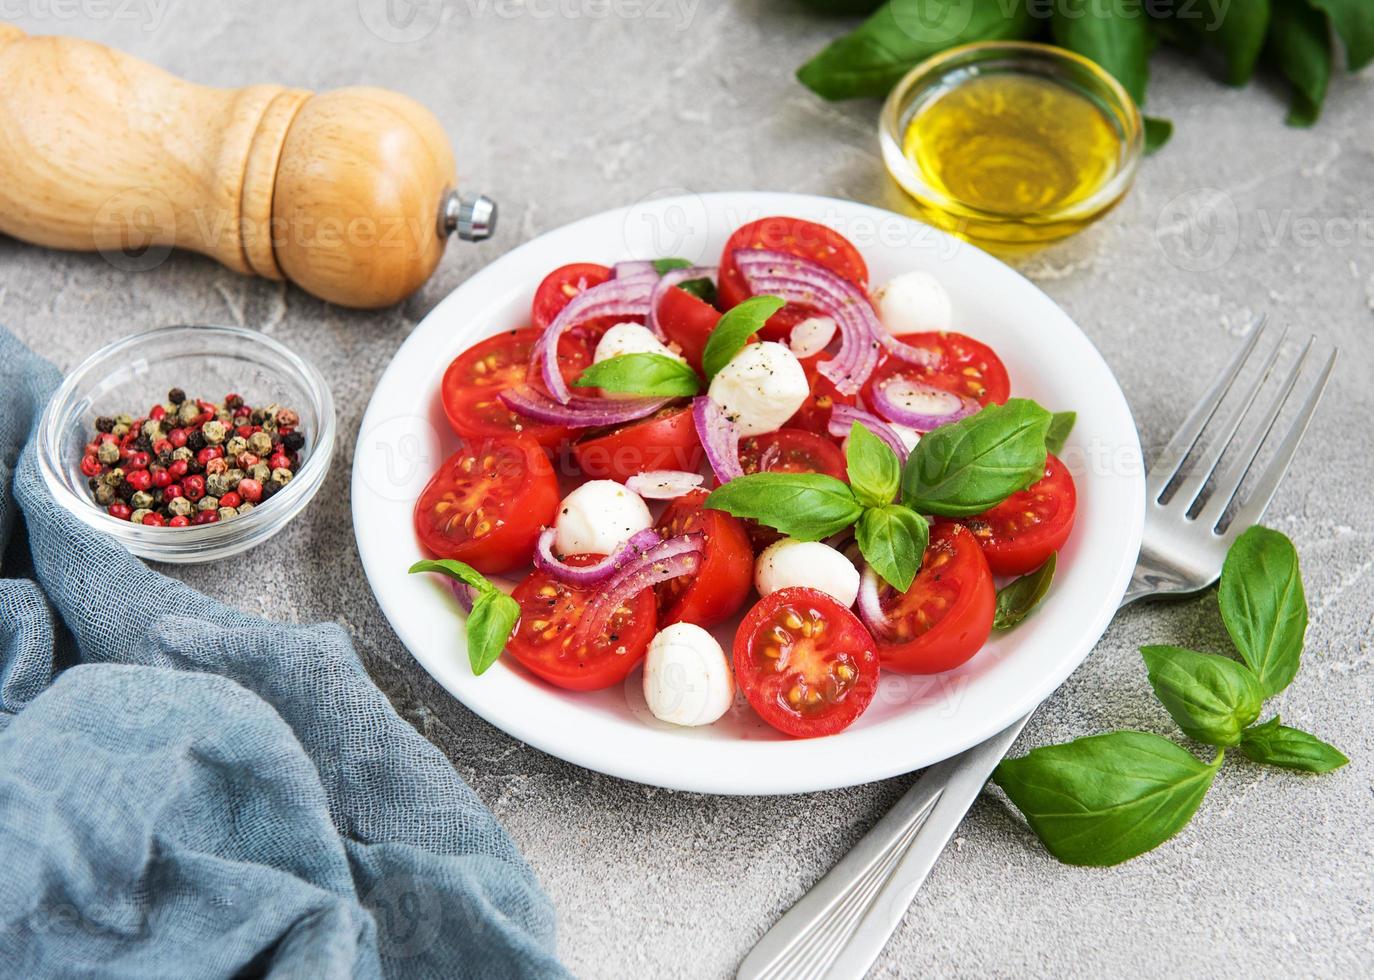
(913,721)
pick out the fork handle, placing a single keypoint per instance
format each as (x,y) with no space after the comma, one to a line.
(839,927)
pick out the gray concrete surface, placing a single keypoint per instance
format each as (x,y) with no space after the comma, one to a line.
(561,116)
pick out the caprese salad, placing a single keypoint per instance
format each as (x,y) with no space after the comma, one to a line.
(768,437)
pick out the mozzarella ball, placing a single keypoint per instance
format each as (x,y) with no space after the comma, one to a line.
(598,517)
(812,335)
(914,302)
(761,388)
(790,563)
(687,680)
(631,338)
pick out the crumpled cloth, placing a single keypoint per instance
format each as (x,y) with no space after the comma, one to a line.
(189,791)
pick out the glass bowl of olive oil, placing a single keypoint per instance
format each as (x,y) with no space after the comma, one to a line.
(1011,144)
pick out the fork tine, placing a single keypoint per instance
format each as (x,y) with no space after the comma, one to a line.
(1191,486)
(1168,461)
(1268,485)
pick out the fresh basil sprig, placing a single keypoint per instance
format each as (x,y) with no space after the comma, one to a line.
(893,540)
(702,289)
(875,472)
(1018,599)
(494,614)
(1107,798)
(733,330)
(642,373)
(805,506)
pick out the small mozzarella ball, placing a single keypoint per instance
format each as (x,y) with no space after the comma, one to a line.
(790,563)
(761,388)
(914,302)
(687,680)
(598,517)
(812,335)
(631,338)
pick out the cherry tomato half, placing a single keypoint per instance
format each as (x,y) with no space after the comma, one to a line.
(666,440)
(722,582)
(688,321)
(477,377)
(792,451)
(805,663)
(1021,532)
(487,504)
(946,615)
(546,640)
(560,286)
(796,237)
(963,365)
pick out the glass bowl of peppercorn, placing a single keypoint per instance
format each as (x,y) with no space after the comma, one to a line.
(190,443)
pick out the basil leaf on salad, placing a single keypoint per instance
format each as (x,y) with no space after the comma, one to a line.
(1278,745)
(1211,698)
(969,466)
(875,472)
(668,265)
(642,374)
(461,571)
(1263,606)
(893,539)
(1018,599)
(1061,424)
(703,289)
(805,506)
(1105,799)
(493,614)
(733,330)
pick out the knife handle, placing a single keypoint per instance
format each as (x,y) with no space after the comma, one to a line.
(348,193)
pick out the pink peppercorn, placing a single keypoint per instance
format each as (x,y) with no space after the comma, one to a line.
(90,466)
(279,461)
(250,490)
(162,446)
(157,413)
(194,487)
(247,461)
(177,437)
(230,499)
(120,509)
(154,520)
(215,466)
(206,517)
(172,491)
(161,478)
(179,521)
(138,461)
(139,479)
(244,431)
(209,453)
(178,468)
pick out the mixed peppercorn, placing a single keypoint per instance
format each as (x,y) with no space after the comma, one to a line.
(191,461)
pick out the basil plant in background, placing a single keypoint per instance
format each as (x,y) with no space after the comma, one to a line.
(1292,38)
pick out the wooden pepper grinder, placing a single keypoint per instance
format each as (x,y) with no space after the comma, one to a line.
(349,194)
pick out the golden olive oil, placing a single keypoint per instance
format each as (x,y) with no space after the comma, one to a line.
(1011,155)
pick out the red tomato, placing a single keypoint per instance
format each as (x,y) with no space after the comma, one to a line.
(964,366)
(792,451)
(722,582)
(1025,529)
(946,615)
(805,663)
(688,322)
(666,440)
(487,504)
(796,237)
(546,640)
(560,286)
(814,415)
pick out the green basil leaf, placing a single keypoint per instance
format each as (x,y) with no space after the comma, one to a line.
(1278,745)
(1017,599)
(901,34)
(702,289)
(1299,44)
(1114,33)
(1263,606)
(1236,29)
(1354,22)
(893,539)
(1211,698)
(846,8)
(642,374)
(1157,133)
(1105,799)
(456,570)
(734,329)
(806,506)
(875,472)
(976,463)
(668,265)
(493,616)
(1061,424)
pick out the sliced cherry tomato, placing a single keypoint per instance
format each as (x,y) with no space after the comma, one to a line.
(487,504)
(666,440)
(688,322)
(796,237)
(722,582)
(946,615)
(963,365)
(814,415)
(546,640)
(560,286)
(1025,529)
(805,663)
(792,451)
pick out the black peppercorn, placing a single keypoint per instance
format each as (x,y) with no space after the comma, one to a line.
(195,441)
(293,441)
(104,424)
(176,396)
(269,488)
(233,401)
(143,444)
(125,490)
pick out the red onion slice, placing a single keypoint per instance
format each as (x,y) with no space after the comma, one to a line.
(579,413)
(464,593)
(843,417)
(664,484)
(631,550)
(628,297)
(667,560)
(921,406)
(670,279)
(637,267)
(870,606)
(719,437)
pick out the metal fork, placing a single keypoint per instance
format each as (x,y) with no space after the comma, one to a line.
(838,928)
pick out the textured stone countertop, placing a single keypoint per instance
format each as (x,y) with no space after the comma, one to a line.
(561,116)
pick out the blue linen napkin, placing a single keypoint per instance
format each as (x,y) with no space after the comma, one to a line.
(186,790)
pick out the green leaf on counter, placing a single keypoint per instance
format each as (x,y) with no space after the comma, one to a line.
(1236,29)
(645,374)
(893,540)
(1354,22)
(1019,598)
(806,506)
(1114,33)
(1299,43)
(1157,132)
(875,472)
(734,329)
(1211,698)
(1263,606)
(1278,745)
